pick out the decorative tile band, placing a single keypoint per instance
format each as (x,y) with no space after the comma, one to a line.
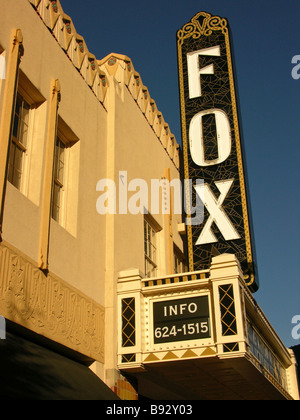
(49,306)
(180,354)
(176,279)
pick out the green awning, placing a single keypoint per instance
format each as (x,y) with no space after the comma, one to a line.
(31,371)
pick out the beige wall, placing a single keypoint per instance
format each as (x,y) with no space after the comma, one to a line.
(112,127)
(110,134)
(139,152)
(134,147)
(76,251)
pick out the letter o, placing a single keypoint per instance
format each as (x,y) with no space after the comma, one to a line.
(196,140)
(195,307)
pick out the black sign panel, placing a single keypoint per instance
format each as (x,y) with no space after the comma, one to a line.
(181,320)
(212,149)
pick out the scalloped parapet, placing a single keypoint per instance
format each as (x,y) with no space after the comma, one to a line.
(73,44)
(121,68)
(95,72)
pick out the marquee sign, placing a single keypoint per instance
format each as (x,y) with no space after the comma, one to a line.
(181,319)
(212,149)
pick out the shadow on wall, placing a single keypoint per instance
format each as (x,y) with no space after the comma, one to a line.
(296,350)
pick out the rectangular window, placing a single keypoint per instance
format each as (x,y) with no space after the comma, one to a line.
(150,250)
(58,180)
(64,186)
(19,142)
(179,261)
(20,162)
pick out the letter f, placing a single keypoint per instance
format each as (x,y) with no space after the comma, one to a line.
(194,71)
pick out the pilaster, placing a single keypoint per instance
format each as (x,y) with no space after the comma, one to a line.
(15,54)
(48,173)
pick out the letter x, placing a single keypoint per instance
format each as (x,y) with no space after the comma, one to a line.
(216,213)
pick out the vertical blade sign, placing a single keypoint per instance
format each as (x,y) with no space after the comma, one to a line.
(212,148)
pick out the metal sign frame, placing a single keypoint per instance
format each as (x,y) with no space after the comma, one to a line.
(191,339)
(208,101)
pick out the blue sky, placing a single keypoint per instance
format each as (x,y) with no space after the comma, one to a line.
(265,36)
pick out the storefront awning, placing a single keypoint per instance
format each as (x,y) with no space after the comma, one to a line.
(31,371)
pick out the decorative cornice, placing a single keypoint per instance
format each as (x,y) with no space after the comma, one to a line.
(121,68)
(202,24)
(63,30)
(95,72)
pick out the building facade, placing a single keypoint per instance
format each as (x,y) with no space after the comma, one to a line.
(93,241)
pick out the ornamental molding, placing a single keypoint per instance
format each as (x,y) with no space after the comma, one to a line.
(202,24)
(48,306)
(73,44)
(96,73)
